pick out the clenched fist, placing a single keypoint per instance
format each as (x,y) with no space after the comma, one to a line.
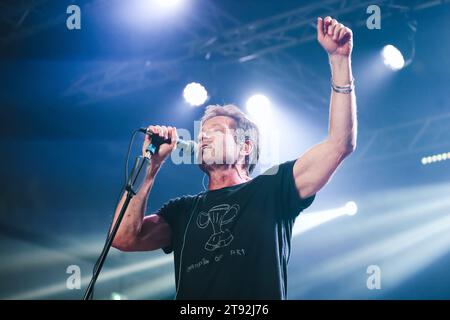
(165,149)
(334,37)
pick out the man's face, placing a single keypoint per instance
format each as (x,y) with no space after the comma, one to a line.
(217,142)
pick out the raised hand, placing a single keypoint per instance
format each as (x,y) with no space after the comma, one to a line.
(334,37)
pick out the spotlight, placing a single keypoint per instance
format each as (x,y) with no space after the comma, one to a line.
(307,221)
(168,3)
(150,15)
(435,158)
(258,107)
(392,57)
(402,54)
(117,296)
(351,208)
(195,94)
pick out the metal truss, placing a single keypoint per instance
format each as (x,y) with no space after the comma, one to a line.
(298,26)
(25,18)
(126,77)
(293,79)
(421,136)
(261,42)
(21,19)
(119,78)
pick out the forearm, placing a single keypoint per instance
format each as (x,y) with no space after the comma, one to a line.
(131,223)
(343,120)
(316,166)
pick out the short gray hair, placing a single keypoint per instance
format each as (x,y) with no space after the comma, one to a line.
(243,123)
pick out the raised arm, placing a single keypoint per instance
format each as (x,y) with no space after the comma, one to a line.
(315,167)
(138,232)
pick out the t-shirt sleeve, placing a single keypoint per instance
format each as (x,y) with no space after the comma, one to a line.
(171,212)
(285,190)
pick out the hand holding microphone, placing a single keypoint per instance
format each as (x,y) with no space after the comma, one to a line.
(160,141)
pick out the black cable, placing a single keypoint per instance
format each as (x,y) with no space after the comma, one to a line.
(128,155)
(130,144)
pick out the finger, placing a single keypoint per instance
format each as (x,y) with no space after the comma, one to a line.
(332,26)
(349,32)
(155,130)
(320,33)
(341,33)
(347,35)
(174,137)
(337,29)
(158,131)
(150,129)
(170,133)
(164,132)
(327,22)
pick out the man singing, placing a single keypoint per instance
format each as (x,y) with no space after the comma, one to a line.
(233,240)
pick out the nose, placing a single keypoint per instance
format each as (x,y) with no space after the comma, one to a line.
(203,137)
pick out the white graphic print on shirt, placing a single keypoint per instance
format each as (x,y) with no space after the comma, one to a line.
(218,216)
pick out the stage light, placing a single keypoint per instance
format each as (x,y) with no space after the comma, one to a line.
(195,94)
(118,296)
(409,231)
(351,208)
(311,220)
(392,57)
(147,15)
(435,158)
(168,3)
(158,6)
(258,107)
(401,55)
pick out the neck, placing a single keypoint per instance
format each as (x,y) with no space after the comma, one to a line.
(226,176)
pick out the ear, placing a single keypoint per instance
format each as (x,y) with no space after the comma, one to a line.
(246,147)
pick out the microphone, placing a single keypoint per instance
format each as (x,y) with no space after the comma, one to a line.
(189,146)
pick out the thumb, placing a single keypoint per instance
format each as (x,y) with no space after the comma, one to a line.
(320,33)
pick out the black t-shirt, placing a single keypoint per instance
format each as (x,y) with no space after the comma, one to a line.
(234,242)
